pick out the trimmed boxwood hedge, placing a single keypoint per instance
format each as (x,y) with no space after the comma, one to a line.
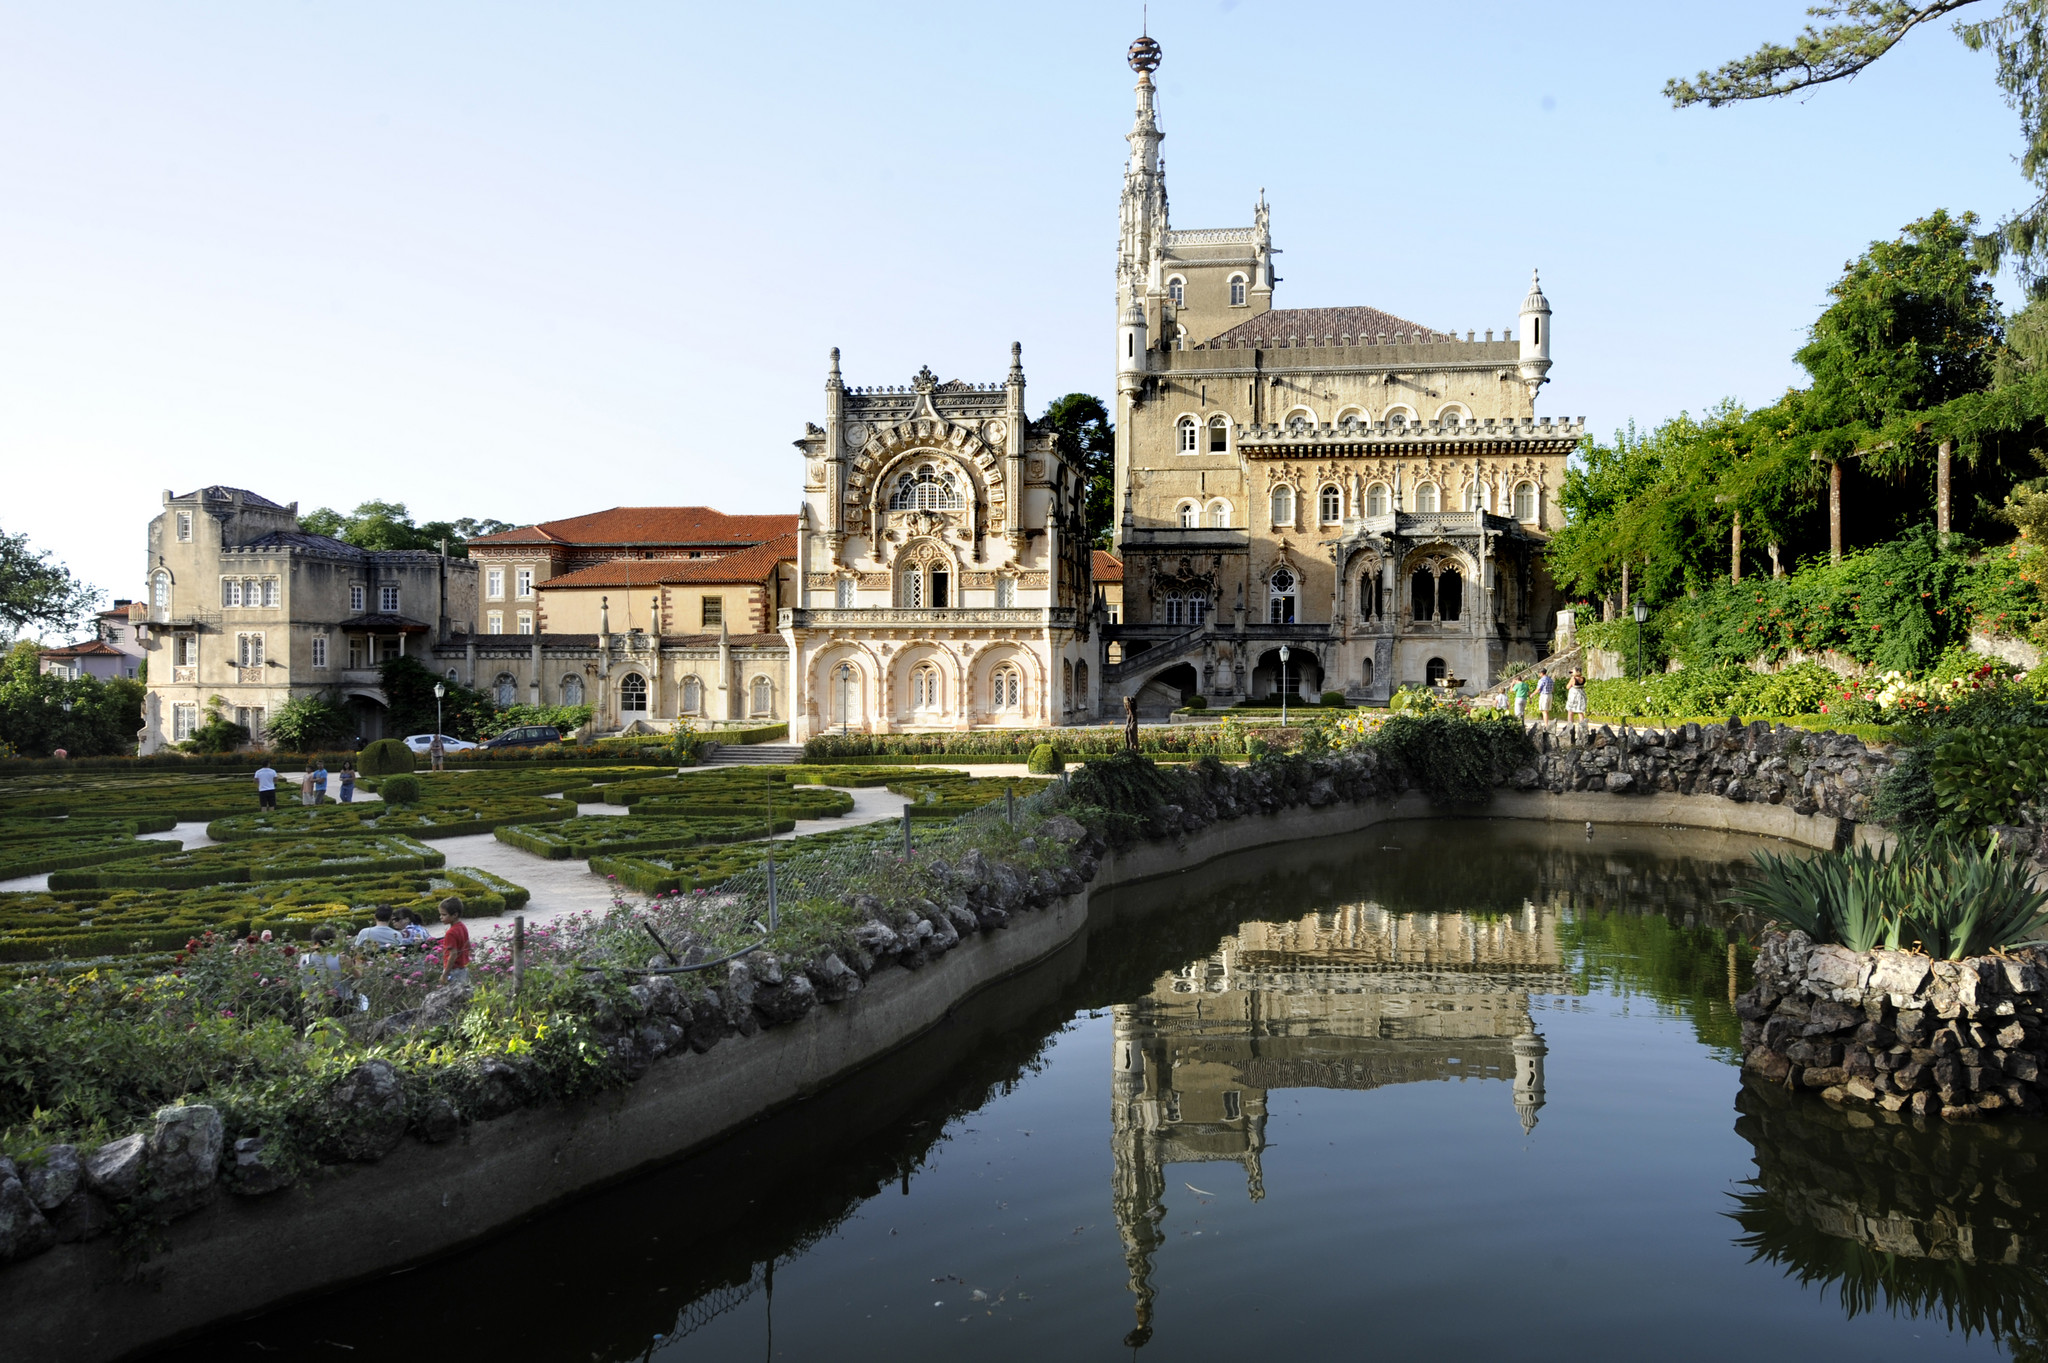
(609,835)
(28,857)
(183,798)
(798,802)
(261,859)
(435,816)
(84,923)
(34,830)
(542,781)
(948,795)
(698,868)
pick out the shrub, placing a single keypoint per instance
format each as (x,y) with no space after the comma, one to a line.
(1045,760)
(1196,703)
(1334,700)
(1981,778)
(604,835)
(308,724)
(567,718)
(264,859)
(1936,894)
(400,790)
(1457,759)
(217,735)
(385,757)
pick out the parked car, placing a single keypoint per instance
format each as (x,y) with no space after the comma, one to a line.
(527,736)
(419,743)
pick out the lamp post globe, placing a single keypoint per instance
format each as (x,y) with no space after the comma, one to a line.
(1284,651)
(439,691)
(1642,613)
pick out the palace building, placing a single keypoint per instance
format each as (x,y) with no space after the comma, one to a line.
(1367,491)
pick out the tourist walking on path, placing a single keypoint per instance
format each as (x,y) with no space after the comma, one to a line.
(348,784)
(306,789)
(266,786)
(1575,699)
(1545,685)
(436,752)
(1520,692)
(319,783)
(454,943)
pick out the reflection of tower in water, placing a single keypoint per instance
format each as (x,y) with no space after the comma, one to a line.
(1353,998)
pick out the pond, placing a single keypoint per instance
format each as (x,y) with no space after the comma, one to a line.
(1444,1089)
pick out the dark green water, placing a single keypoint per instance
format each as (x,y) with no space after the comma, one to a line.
(1444,1090)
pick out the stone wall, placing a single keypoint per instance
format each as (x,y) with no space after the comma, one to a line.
(1895,1030)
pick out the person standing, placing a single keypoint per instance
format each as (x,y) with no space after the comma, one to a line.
(348,784)
(1520,693)
(436,752)
(454,943)
(266,786)
(306,788)
(1575,698)
(1545,685)
(319,783)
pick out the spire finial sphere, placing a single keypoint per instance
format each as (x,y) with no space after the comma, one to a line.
(1144,55)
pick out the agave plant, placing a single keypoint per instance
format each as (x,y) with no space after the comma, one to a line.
(1939,894)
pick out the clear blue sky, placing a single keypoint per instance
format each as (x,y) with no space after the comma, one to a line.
(526,260)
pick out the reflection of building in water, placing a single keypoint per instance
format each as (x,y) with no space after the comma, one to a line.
(1356,998)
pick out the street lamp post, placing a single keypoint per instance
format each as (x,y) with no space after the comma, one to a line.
(1283,686)
(845,680)
(439,691)
(1642,614)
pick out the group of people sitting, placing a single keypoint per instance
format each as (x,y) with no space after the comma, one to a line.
(333,973)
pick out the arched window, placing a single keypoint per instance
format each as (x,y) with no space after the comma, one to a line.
(160,591)
(1425,497)
(1198,608)
(693,696)
(1331,504)
(1281,597)
(1283,505)
(1067,690)
(632,694)
(1365,674)
(1452,417)
(1352,416)
(1186,438)
(1434,671)
(1219,435)
(1219,515)
(1237,291)
(1190,515)
(572,690)
(1379,500)
(506,690)
(1081,687)
(1177,290)
(924,582)
(761,696)
(931,487)
(1468,499)
(1174,607)
(1300,419)
(1450,594)
(1525,501)
(1397,418)
(1368,595)
(1006,687)
(924,687)
(845,683)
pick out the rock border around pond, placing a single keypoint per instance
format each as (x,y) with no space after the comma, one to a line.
(1963,1040)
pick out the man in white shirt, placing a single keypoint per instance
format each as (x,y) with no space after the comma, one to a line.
(380,933)
(266,786)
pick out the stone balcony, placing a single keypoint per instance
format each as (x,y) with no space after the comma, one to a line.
(928,617)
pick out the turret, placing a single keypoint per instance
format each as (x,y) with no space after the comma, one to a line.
(1130,348)
(1535,361)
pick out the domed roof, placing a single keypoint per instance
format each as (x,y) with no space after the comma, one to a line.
(1535,302)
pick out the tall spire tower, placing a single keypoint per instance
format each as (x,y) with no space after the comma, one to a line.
(1142,218)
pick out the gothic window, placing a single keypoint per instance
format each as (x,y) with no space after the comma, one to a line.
(1379,500)
(1219,515)
(911,591)
(1186,438)
(1177,290)
(929,488)
(160,594)
(1283,505)
(940,580)
(1198,608)
(1425,497)
(1219,435)
(1175,609)
(1007,686)
(1081,686)
(1237,282)
(1470,498)
(572,690)
(693,696)
(1365,673)
(762,696)
(632,694)
(1280,602)
(1450,594)
(1190,515)
(506,691)
(924,687)
(1331,505)
(1525,501)
(842,593)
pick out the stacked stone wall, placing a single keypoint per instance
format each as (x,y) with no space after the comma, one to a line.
(1812,773)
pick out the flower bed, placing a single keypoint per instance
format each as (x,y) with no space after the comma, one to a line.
(606,835)
(433,817)
(260,859)
(77,924)
(33,856)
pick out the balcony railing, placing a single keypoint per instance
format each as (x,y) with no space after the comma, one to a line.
(872,617)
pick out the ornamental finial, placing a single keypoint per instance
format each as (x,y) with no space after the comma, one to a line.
(1144,55)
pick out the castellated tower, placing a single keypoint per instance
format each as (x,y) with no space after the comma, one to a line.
(1372,493)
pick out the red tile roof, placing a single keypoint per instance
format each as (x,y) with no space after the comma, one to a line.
(646,525)
(1308,326)
(91,648)
(746,566)
(1108,567)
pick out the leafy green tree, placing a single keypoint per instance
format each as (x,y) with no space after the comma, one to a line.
(36,591)
(388,525)
(409,694)
(41,712)
(2014,31)
(309,724)
(1084,436)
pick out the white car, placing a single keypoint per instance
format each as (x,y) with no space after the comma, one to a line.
(419,743)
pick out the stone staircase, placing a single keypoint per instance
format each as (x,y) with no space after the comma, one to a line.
(755,754)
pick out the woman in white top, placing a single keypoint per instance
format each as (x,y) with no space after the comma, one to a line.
(1575,699)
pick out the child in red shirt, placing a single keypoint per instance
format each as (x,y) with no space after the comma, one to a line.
(454,943)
